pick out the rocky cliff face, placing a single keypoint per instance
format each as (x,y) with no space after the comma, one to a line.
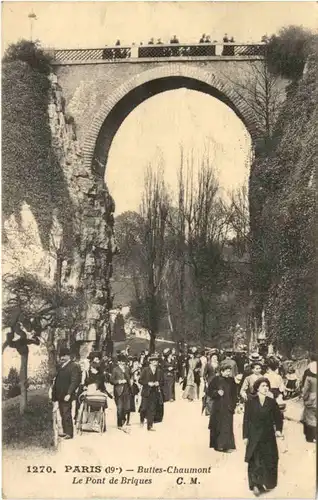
(58,217)
(89,263)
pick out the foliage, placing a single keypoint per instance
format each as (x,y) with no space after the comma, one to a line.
(287,52)
(31,172)
(199,276)
(41,376)
(30,53)
(31,302)
(282,199)
(11,384)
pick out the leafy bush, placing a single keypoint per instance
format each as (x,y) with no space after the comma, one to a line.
(11,384)
(287,52)
(30,169)
(283,219)
(41,376)
(30,53)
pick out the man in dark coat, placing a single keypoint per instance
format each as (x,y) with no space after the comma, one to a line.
(222,390)
(66,382)
(120,379)
(151,379)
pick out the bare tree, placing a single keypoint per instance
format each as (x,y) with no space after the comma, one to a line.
(201,229)
(239,223)
(263,93)
(154,210)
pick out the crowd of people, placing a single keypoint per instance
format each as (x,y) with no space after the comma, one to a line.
(173,48)
(225,381)
(175,40)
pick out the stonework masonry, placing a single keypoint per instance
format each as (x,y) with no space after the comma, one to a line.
(90,267)
(92,91)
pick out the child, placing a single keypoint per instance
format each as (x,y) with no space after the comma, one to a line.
(291,383)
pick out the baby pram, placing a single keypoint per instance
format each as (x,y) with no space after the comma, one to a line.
(92,412)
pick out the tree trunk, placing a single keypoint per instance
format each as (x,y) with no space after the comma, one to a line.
(51,353)
(203,317)
(152,342)
(24,380)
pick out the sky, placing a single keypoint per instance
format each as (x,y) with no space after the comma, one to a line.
(157,127)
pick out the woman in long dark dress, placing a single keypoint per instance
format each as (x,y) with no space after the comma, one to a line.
(169,378)
(222,391)
(263,421)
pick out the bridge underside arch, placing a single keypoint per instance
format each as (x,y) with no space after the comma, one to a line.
(150,83)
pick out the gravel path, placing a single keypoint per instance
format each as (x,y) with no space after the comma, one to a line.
(181,441)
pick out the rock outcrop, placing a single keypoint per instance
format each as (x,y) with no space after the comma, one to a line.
(89,263)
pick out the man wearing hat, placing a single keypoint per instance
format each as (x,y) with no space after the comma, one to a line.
(66,382)
(120,379)
(151,380)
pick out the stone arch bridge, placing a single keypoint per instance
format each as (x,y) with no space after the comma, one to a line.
(99,88)
(102,86)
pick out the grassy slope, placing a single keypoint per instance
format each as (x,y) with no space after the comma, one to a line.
(34,429)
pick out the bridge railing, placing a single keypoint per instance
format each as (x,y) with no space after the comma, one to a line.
(118,53)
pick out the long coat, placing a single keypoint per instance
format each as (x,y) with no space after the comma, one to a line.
(169,380)
(222,412)
(259,425)
(66,382)
(122,392)
(152,397)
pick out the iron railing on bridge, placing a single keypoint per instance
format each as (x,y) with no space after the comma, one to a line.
(159,51)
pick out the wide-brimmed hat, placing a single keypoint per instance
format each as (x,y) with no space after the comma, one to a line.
(166,351)
(213,350)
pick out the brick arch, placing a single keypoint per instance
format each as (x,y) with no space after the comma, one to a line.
(173,70)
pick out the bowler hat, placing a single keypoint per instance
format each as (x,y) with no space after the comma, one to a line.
(65,351)
(154,357)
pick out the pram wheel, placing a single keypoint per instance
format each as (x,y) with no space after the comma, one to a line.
(102,421)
